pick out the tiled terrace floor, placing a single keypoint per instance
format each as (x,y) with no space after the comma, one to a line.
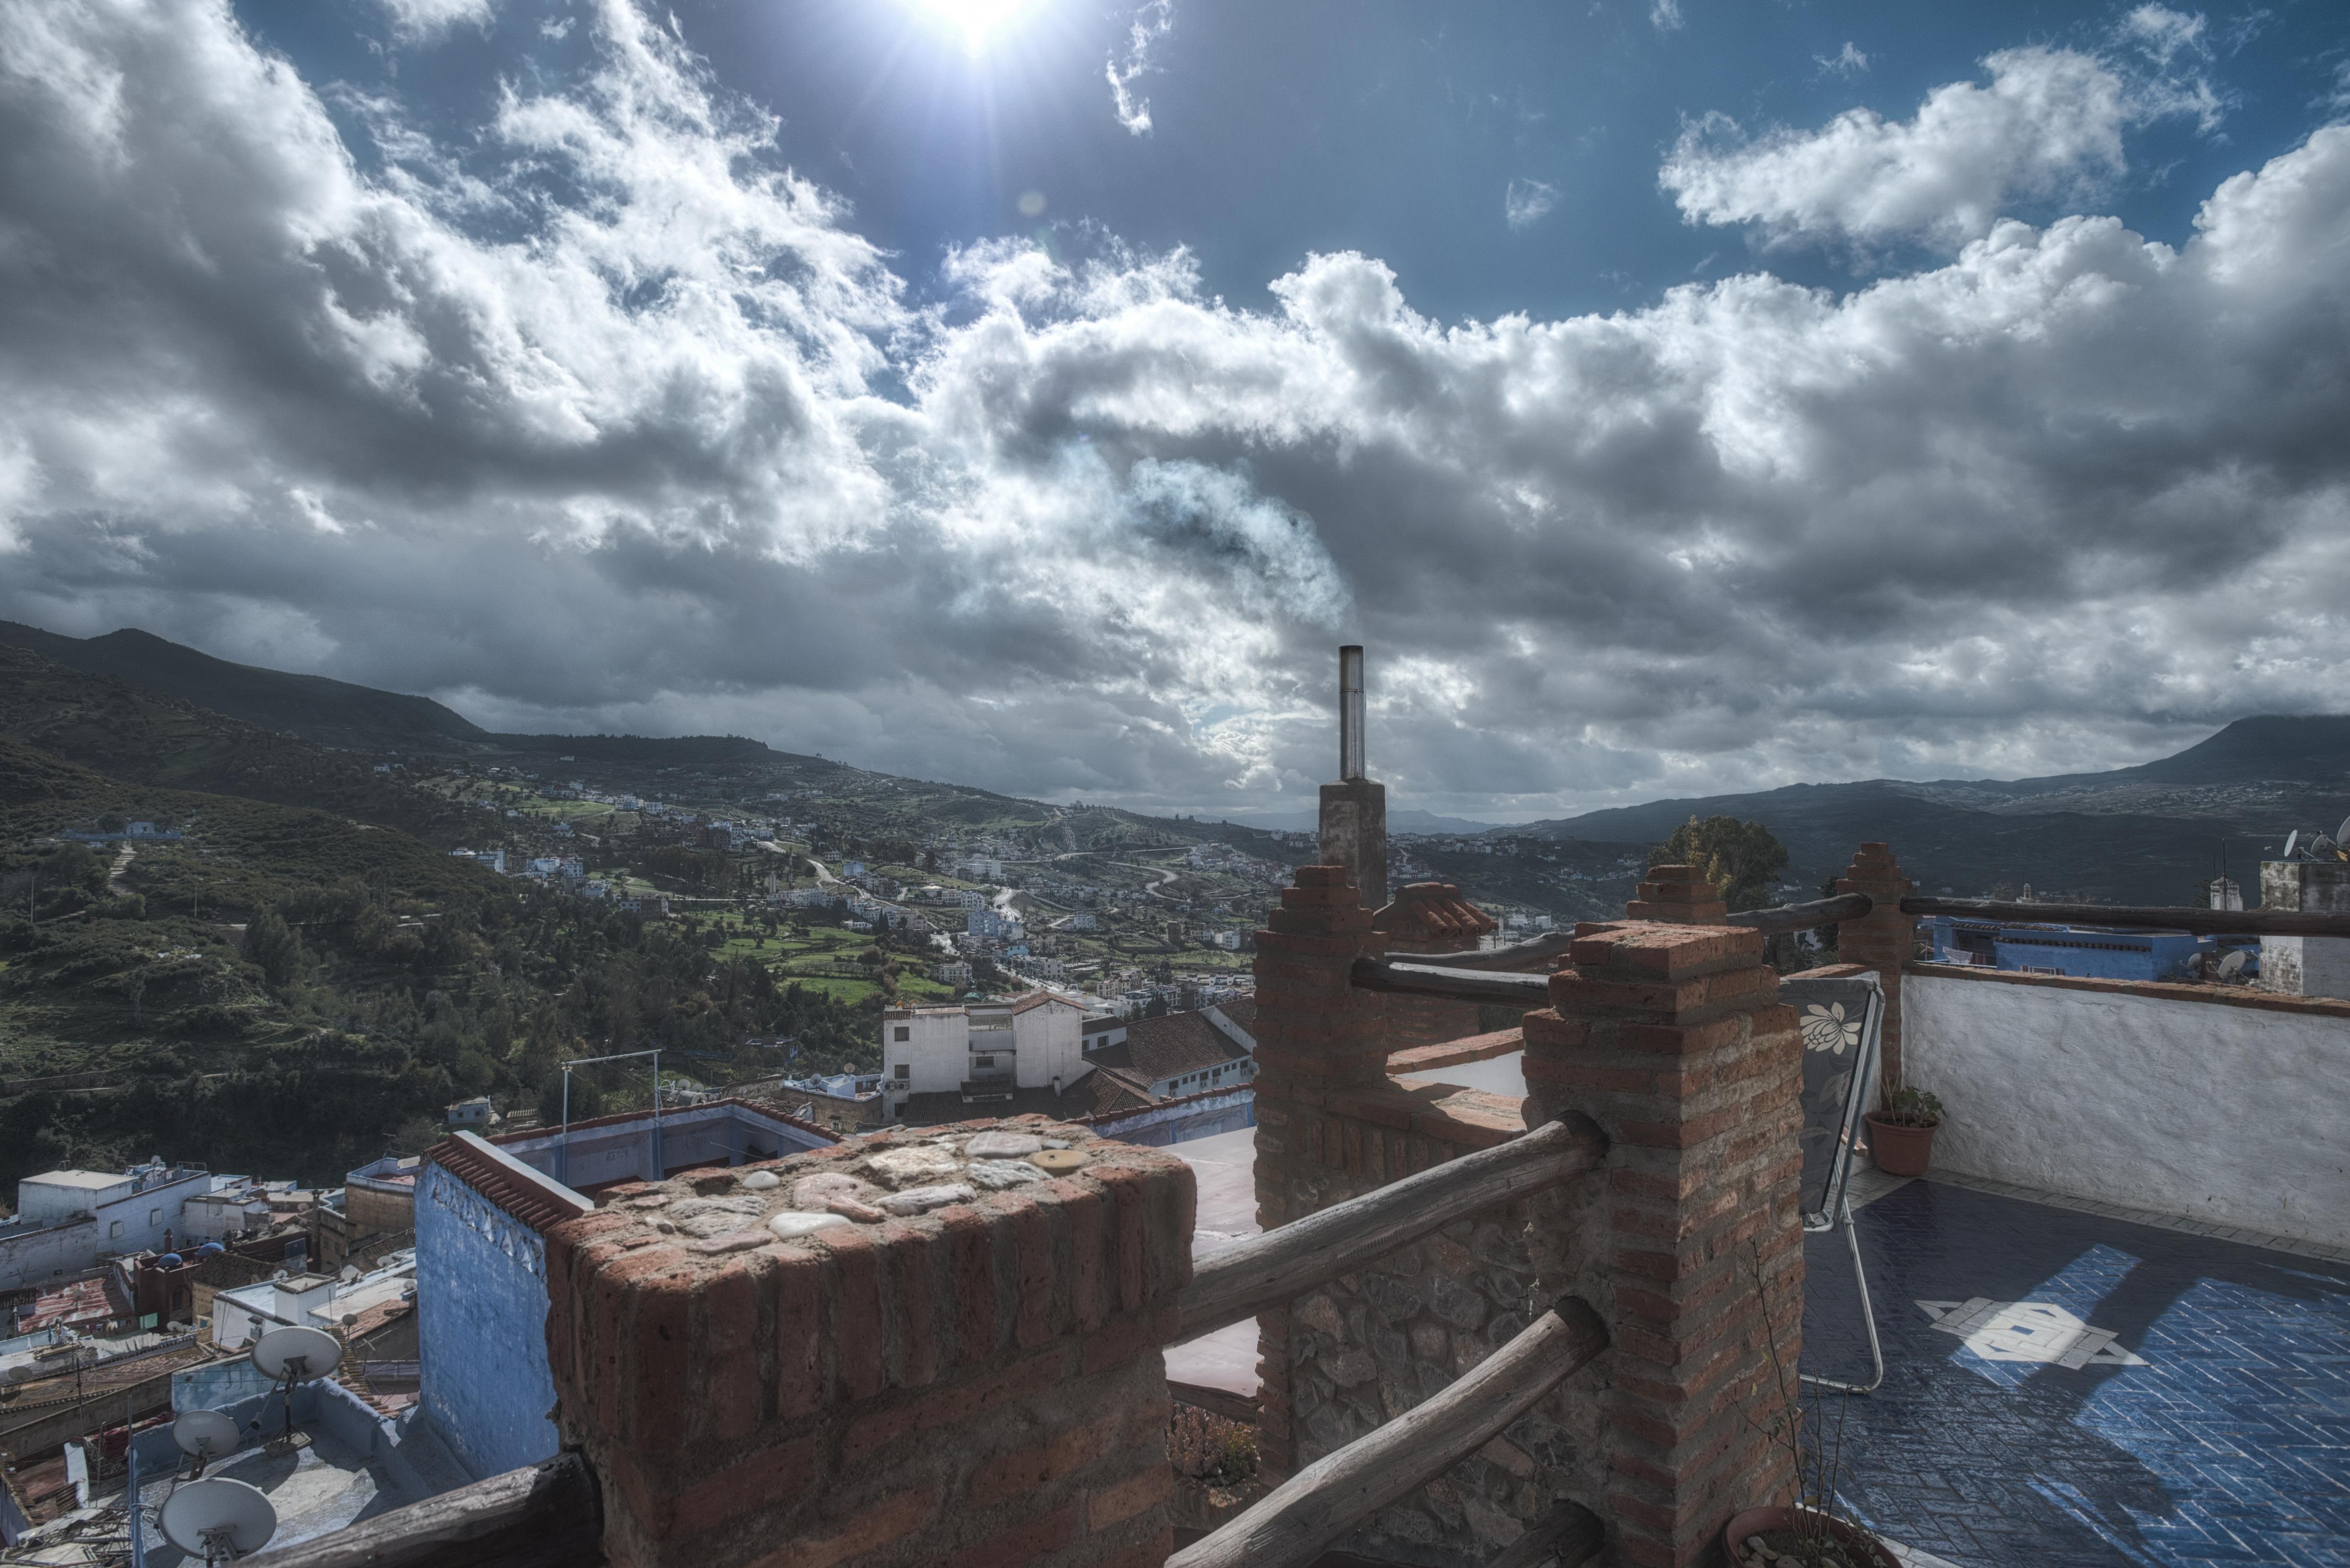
(2213,1426)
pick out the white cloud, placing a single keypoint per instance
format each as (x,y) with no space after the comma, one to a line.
(1665,15)
(622,424)
(1150,24)
(1849,61)
(2049,125)
(426,20)
(1527,202)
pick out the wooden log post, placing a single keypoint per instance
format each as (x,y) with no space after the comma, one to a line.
(1881,940)
(1671,1038)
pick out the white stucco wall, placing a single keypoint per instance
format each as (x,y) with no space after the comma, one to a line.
(2226,1114)
(1050,1038)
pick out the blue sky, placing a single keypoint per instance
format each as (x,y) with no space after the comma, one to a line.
(1675,396)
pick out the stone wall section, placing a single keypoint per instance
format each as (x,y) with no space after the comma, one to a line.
(1344,1360)
(977,1383)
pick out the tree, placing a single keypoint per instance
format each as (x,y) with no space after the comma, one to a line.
(1741,859)
(271,945)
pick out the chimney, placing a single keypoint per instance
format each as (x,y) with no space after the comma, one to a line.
(1354,809)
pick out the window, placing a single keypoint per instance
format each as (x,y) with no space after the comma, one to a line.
(114,1230)
(905,1072)
(155,1218)
(905,1032)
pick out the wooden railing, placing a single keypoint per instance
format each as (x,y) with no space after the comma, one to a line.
(1293,1522)
(1270,1270)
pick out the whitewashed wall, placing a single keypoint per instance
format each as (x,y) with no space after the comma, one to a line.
(2230,1115)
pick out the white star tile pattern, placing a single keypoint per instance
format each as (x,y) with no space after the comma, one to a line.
(2028,1330)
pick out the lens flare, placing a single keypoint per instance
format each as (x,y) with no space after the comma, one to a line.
(978,21)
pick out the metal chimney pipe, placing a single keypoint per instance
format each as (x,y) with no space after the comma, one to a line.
(1350,712)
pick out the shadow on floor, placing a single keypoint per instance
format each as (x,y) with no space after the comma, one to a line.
(2226,1445)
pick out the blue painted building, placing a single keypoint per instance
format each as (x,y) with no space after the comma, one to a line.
(483,1207)
(2089,951)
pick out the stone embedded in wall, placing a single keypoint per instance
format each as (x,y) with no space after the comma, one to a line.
(977,1382)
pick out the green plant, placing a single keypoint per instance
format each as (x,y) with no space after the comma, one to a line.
(1809,1440)
(1909,1107)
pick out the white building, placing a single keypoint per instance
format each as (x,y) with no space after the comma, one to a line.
(983,1051)
(307,1300)
(68,1221)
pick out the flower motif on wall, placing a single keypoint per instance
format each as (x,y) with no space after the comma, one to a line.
(1827,1028)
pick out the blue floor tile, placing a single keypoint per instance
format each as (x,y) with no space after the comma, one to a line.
(2229,1445)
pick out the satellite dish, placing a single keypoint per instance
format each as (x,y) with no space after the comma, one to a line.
(2233,964)
(2290,840)
(296,1355)
(218,1520)
(350,1272)
(205,1434)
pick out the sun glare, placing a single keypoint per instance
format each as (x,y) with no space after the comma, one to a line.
(977,21)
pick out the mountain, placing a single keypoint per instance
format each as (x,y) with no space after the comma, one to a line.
(2138,834)
(332,712)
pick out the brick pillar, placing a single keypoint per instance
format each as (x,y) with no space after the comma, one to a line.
(1429,918)
(980,1382)
(1673,1040)
(1882,942)
(1315,1035)
(1676,896)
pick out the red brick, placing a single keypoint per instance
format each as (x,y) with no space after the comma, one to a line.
(729,1366)
(799,1369)
(1025,1469)
(1149,1553)
(876,1524)
(1130,1191)
(1107,1506)
(1129,1337)
(955,1402)
(654,1293)
(765,1480)
(913,1293)
(1032,1282)
(1021,1544)
(857,1326)
(1082,1209)
(971,1248)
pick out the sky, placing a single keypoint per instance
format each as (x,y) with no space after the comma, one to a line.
(1674,397)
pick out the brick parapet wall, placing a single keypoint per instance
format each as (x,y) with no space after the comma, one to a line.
(1676,896)
(1882,941)
(1673,1040)
(1429,918)
(980,1384)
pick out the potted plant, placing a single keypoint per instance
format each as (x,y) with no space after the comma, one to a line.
(1810,1528)
(1901,1136)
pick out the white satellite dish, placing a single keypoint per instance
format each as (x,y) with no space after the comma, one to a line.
(2233,964)
(2342,834)
(218,1520)
(296,1355)
(2290,840)
(205,1434)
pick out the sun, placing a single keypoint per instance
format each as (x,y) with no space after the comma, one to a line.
(978,21)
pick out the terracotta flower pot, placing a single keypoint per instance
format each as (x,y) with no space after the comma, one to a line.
(1758,1520)
(1899,1150)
